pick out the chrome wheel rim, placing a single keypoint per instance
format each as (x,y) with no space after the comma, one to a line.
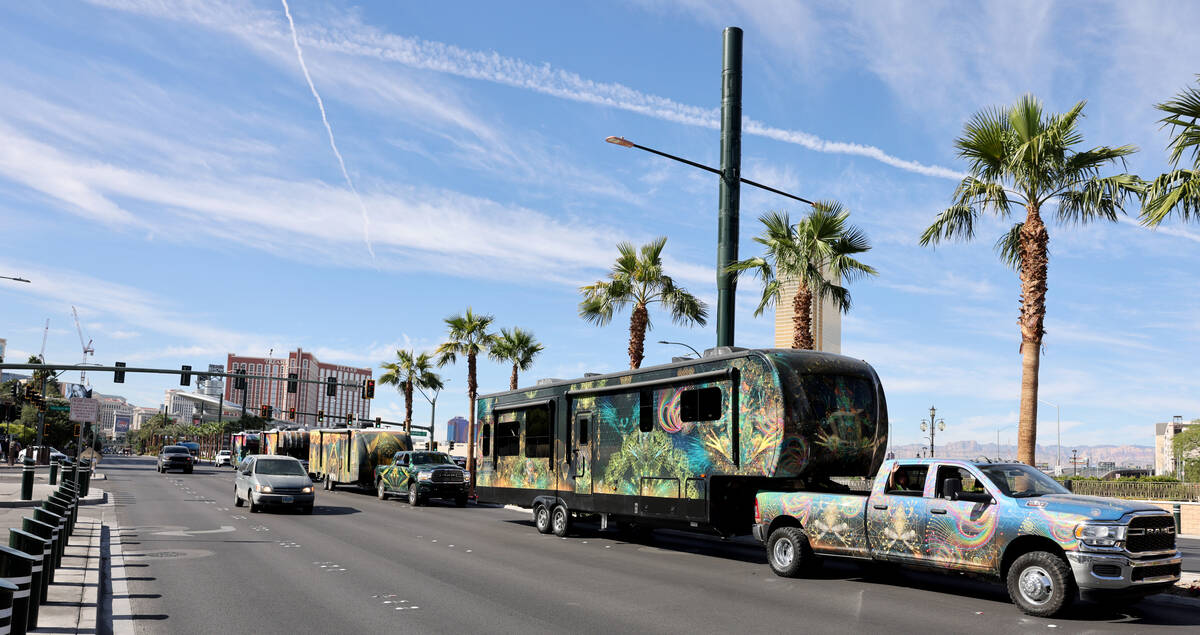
(560,521)
(1036,585)
(784,552)
(543,518)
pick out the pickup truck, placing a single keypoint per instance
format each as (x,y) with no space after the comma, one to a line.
(1004,521)
(421,475)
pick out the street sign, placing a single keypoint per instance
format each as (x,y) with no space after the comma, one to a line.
(84,410)
(59,407)
(418,433)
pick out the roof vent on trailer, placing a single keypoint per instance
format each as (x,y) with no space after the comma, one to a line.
(547,381)
(718,351)
(592,374)
(684,358)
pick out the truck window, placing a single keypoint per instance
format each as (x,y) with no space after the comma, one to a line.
(907,480)
(966,481)
(701,404)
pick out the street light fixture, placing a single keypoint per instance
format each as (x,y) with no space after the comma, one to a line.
(930,425)
(12,278)
(432,404)
(698,355)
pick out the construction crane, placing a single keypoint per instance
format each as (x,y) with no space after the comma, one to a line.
(87,348)
(45,332)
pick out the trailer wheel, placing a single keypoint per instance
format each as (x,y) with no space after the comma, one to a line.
(541,518)
(788,552)
(1041,583)
(560,520)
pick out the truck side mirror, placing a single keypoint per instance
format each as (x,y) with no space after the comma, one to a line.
(973,497)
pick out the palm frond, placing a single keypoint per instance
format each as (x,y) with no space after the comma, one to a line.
(1176,192)
(1008,247)
(1183,115)
(955,222)
(1098,198)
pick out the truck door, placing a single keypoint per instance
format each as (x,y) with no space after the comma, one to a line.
(960,533)
(897,512)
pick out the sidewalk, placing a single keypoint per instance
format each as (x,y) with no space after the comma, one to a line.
(10,489)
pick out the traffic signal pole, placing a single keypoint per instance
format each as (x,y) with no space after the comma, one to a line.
(27,467)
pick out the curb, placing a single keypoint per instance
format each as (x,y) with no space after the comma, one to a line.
(97,497)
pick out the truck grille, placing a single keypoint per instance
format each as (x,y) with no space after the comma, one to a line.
(1150,533)
(1156,571)
(447,476)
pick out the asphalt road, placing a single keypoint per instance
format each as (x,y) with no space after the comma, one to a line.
(196,564)
(1190,548)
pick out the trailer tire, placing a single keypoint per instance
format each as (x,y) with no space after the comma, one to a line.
(560,521)
(541,518)
(1040,583)
(788,552)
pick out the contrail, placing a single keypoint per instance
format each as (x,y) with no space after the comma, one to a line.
(332,143)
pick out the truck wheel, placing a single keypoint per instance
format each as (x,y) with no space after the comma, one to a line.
(560,520)
(1040,583)
(237,500)
(788,552)
(541,519)
(381,493)
(414,495)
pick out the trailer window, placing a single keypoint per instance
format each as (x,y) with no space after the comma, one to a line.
(487,439)
(508,438)
(646,411)
(537,432)
(584,428)
(840,402)
(701,404)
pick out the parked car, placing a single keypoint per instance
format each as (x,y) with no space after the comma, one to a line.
(175,457)
(422,475)
(55,455)
(264,479)
(224,457)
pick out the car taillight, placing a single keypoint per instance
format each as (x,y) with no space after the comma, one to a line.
(757,514)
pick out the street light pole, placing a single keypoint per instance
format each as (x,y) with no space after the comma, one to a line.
(730,194)
(698,356)
(1057,416)
(933,424)
(432,405)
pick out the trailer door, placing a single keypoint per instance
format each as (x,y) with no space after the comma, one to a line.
(580,430)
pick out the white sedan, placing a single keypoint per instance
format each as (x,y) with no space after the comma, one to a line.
(224,457)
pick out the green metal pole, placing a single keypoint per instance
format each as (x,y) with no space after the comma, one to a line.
(731,164)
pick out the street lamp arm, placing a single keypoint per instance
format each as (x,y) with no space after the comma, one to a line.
(626,143)
(698,355)
(12,278)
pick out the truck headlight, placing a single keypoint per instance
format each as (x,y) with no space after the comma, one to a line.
(1100,535)
(424,475)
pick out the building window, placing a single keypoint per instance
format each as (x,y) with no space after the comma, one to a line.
(702,404)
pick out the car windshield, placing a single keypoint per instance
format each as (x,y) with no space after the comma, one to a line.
(1021,481)
(430,458)
(275,466)
(175,449)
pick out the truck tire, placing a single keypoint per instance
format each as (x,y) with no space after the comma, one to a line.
(788,552)
(560,521)
(541,518)
(1040,583)
(414,495)
(381,492)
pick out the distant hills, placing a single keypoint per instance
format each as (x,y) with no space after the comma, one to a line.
(1121,455)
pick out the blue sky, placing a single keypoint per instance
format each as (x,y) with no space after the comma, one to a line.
(165,169)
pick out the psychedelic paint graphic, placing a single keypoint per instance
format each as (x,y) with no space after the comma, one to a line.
(780,414)
(831,522)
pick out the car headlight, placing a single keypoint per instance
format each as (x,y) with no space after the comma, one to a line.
(307,490)
(1100,535)
(266,489)
(424,475)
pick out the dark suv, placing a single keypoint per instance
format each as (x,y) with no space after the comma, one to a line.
(176,457)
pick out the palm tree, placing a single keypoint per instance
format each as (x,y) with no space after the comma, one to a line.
(516,347)
(637,278)
(1179,189)
(822,244)
(1021,156)
(468,335)
(410,370)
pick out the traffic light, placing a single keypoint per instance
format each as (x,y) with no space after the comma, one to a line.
(292,383)
(349,418)
(331,387)
(378,422)
(118,375)
(451,444)
(265,412)
(320,416)
(185,377)
(16,389)
(292,413)
(46,429)
(77,428)
(239,383)
(368,389)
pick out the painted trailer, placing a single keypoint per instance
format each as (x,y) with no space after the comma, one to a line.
(293,443)
(349,456)
(243,444)
(685,445)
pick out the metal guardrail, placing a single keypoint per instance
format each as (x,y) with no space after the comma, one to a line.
(1141,491)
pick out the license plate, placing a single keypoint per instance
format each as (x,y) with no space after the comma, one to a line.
(287,499)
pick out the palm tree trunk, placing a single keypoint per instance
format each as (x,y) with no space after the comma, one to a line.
(637,335)
(1035,241)
(512,380)
(408,406)
(802,318)
(471,388)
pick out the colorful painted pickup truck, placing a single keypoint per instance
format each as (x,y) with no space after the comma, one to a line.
(1005,521)
(422,475)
